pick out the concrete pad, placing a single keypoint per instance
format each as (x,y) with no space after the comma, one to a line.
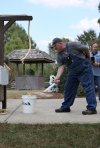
(45,112)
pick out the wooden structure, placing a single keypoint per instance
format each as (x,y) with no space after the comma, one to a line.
(5,22)
(35,56)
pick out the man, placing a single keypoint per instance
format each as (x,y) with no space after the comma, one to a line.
(77,58)
(95,56)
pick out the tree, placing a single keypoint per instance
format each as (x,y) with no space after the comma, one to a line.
(87,37)
(15,38)
(99,19)
(99,12)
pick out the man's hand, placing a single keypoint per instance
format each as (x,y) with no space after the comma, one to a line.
(96,64)
(56,80)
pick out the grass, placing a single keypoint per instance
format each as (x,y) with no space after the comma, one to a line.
(50,136)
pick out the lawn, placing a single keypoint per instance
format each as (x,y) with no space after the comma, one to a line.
(50,136)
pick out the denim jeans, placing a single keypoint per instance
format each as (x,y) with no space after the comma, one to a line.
(79,71)
(97,82)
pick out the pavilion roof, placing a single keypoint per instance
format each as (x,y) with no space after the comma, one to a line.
(34,56)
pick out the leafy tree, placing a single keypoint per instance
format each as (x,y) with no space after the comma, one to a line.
(99,12)
(87,37)
(15,38)
(99,19)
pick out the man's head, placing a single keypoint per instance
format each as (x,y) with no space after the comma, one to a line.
(94,46)
(58,44)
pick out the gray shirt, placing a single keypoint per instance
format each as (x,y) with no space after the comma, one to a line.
(75,48)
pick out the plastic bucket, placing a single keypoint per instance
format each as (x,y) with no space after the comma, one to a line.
(29,103)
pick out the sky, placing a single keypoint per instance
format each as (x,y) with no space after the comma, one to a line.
(54,18)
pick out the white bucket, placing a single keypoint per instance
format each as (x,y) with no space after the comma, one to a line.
(29,103)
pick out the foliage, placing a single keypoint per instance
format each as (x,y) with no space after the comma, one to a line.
(87,37)
(99,12)
(63,80)
(30,71)
(16,38)
(99,7)
(80,91)
(49,69)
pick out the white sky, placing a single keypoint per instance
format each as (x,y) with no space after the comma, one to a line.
(55,18)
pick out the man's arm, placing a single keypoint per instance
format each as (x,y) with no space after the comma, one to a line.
(84,49)
(87,53)
(59,73)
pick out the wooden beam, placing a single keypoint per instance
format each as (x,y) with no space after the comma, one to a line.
(2,59)
(1,42)
(15,17)
(11,19)
(8,24)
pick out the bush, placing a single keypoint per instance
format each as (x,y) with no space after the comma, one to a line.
(80,91)
(62,81)
(30,72)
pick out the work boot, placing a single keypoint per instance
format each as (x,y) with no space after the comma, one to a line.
(62,110)
(89,112)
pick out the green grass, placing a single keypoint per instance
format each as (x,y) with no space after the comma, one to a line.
(50,136)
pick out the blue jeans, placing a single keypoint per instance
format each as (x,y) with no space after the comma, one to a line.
(79,71)
(97,82)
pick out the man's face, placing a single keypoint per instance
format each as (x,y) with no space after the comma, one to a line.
(95,47)
(59,46)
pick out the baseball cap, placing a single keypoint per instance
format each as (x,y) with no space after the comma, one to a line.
(56,40)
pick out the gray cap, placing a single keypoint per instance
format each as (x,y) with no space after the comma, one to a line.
(56,40)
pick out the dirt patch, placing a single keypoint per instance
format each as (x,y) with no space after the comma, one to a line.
(42,95)
(17,94)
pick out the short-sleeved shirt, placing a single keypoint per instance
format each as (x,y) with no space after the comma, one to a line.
(75,48)
(96,70)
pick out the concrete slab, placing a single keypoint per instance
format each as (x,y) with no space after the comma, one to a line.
(45,112)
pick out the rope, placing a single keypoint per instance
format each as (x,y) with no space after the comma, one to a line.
(29,44)
(5,121)
(7,66)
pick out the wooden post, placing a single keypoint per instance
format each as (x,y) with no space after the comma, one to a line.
(36,69)
(4,102)
(10,19)
(42,69)
(24,69)
(2,88)
(17,69)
